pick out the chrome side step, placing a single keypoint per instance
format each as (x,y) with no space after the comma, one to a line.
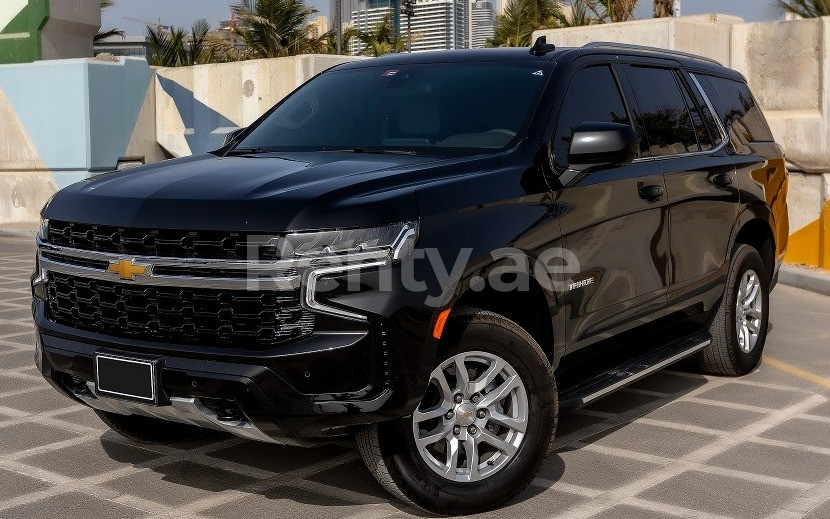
(630,371)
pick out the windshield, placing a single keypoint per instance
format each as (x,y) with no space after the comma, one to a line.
(426,108)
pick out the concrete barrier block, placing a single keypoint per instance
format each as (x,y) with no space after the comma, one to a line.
(197,106)
(32,30)
(783,59)
(63,120)
(809,213)
(22,195)
(706,35)
(117,93)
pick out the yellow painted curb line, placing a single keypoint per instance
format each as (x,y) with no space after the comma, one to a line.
(798,372)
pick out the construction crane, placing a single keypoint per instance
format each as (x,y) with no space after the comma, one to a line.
(159,26)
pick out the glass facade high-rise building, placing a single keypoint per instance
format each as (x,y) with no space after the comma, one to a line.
(368,15)
(482,25)
(439,25)
(436,24)
(500,5)
(346,9)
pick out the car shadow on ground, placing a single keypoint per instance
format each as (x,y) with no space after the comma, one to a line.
(334,475)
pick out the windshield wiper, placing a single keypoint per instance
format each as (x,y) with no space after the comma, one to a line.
(376,152)
(245,151)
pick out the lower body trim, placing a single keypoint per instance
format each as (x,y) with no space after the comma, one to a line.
(182,410)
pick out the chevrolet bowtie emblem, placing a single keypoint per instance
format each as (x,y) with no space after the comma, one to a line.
(127,269)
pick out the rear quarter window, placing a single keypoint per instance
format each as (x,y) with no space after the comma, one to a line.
(737,108)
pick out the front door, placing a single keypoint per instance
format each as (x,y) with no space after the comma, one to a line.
(613,221)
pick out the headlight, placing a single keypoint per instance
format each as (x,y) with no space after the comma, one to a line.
(347,251)
(44,229)
(397,240)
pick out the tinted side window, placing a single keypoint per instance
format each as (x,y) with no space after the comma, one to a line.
(663,112)
(708,116)
(593,96)
(741,115)
(704,139)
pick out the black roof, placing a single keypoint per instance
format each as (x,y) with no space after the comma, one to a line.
(454,56)
(522,54)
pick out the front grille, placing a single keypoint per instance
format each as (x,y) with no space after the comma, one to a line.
(164,242)
(228,318)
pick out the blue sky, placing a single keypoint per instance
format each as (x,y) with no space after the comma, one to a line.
(184,12)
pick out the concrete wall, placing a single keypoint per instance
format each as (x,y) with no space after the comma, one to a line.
(64,120)
(197,106)
(31,30)
(708,35)
(69,31)
(61,121)
(787,65)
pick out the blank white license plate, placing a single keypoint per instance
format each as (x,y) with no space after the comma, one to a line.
(123,377)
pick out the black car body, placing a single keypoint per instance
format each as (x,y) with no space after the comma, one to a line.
(154,264)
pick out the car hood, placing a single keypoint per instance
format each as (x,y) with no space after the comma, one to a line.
(268,192)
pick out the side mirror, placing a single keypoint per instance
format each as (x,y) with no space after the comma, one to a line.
(230,136)
(596,145)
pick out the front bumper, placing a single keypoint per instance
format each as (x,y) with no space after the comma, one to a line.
(313,389)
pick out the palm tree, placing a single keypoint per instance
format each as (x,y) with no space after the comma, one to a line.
(804,8)
(180,49)
(583,12)
(619,10)
(545,11)
(663,8)
(514,28)
(102,35)
(594,11)
(381,40)
(277,28)
(348,34)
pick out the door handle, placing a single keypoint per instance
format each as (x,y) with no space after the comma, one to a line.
(650,193)
(722,180)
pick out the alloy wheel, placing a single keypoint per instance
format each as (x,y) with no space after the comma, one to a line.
(748,311)
(473,418)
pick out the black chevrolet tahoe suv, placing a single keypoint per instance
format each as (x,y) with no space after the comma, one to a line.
(433,253)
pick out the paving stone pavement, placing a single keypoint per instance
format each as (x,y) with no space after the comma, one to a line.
(678,444)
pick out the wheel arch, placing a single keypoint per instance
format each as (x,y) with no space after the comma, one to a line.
(755,228)
(530,305)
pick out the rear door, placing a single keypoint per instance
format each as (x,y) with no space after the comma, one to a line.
(613,220)
(761,169)
(690,148)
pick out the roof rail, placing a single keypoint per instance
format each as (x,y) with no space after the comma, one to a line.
(627,46)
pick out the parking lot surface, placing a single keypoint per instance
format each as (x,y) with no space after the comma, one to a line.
(677,444)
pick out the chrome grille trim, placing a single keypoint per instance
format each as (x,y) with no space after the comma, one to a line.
(275,275)
(273,283)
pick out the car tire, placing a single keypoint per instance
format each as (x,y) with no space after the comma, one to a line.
(739,323)
(148,430)
(522,393)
